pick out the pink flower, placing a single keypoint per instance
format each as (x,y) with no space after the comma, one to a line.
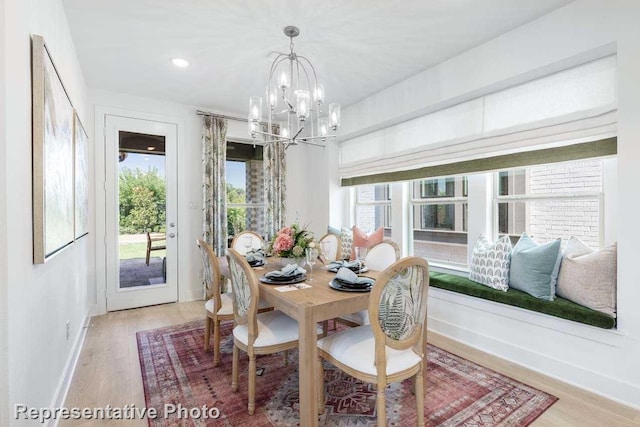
(283,242)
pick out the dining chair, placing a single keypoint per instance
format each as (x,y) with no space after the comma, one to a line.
(334,246)
(378,258)
(151,239)
(392,347)
(255,333)
(239,243)
(219,306)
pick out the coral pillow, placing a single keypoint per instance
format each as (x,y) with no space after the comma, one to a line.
(360,239)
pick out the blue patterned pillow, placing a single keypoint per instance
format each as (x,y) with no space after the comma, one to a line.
(490,263)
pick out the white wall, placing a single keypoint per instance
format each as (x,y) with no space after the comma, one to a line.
(189,181)
(603,361)
(40,298)
(4,351)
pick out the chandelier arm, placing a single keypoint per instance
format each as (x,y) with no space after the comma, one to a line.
(300,129)
(279,59)
(275,135)
(315,76)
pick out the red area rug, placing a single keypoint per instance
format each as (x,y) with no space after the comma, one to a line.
(175,370)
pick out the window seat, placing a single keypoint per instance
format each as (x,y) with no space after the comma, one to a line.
(560,307)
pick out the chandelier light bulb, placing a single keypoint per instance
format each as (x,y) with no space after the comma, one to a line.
(272,96)
(334,116)
(323,127)
(255,108)
(253,127)
(318,93)
(284,132)
(284,80)
(302,104)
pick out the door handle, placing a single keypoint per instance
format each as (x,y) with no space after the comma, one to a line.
(172,235)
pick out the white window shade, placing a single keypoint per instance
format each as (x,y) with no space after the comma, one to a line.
(578,91)
(572,105)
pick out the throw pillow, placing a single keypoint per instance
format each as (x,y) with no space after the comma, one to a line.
(589,277)
(346,242)
(490,263)
(361,239)
(333,230)
(534,267)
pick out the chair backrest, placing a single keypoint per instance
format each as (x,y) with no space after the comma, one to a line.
(245,292)
(239,241)
(211,271)
(334,246)
(382,255)
(398,308)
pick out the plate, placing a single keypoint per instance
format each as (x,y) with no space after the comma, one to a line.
(354,269)
(363,282)
(339,287)
(296,279)
(257,263)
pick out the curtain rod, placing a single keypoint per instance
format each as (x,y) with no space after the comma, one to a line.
(206,113)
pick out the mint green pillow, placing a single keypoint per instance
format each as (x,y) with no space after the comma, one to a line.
(534,267)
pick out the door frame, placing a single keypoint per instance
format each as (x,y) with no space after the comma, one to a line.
(101,113)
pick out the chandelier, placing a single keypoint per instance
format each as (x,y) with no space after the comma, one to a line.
(293,82)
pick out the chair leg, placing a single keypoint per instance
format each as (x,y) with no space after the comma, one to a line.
(419,391)
(207,332)
(320,386)
(216,342)
(234,368)
(252,384)
(325,328)
(381,404)
(286,358)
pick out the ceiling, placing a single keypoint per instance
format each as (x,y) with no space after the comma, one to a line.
(358,46)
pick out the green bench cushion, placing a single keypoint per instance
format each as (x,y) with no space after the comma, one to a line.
(560,307)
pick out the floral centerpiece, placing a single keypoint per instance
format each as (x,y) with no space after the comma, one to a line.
(291,242)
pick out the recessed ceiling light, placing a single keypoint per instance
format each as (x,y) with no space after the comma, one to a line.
(151,148)
(179,62)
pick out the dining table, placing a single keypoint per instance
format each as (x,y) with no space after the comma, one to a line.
(309,306)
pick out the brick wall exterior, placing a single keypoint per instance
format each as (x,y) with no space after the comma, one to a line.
(552,219)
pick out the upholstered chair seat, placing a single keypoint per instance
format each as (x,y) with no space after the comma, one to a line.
(356,348)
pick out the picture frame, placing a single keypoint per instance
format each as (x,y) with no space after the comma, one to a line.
(80,177)
(53,156)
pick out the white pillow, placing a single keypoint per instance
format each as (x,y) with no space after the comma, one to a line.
(490,263)
(588,277)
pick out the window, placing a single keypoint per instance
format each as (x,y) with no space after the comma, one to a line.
(245,189)
(373,207)
(439,219)
(551,201)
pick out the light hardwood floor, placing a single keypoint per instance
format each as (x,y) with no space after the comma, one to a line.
(108,371)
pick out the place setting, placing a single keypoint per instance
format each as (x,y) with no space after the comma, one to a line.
(256,258)
(348,281)
(287,275)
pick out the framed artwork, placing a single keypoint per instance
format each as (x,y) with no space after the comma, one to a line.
(81,177)
(53,161)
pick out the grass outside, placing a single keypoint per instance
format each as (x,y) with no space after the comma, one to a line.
(138,250)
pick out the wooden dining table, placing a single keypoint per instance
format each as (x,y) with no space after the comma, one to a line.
(310,306)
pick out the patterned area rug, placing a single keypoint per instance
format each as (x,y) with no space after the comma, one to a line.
(175,370)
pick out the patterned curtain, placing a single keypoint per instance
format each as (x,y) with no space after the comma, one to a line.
(275,187)
(214,183)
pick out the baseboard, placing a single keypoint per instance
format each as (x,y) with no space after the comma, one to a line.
(191,295)
(67,374)
(599,384)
